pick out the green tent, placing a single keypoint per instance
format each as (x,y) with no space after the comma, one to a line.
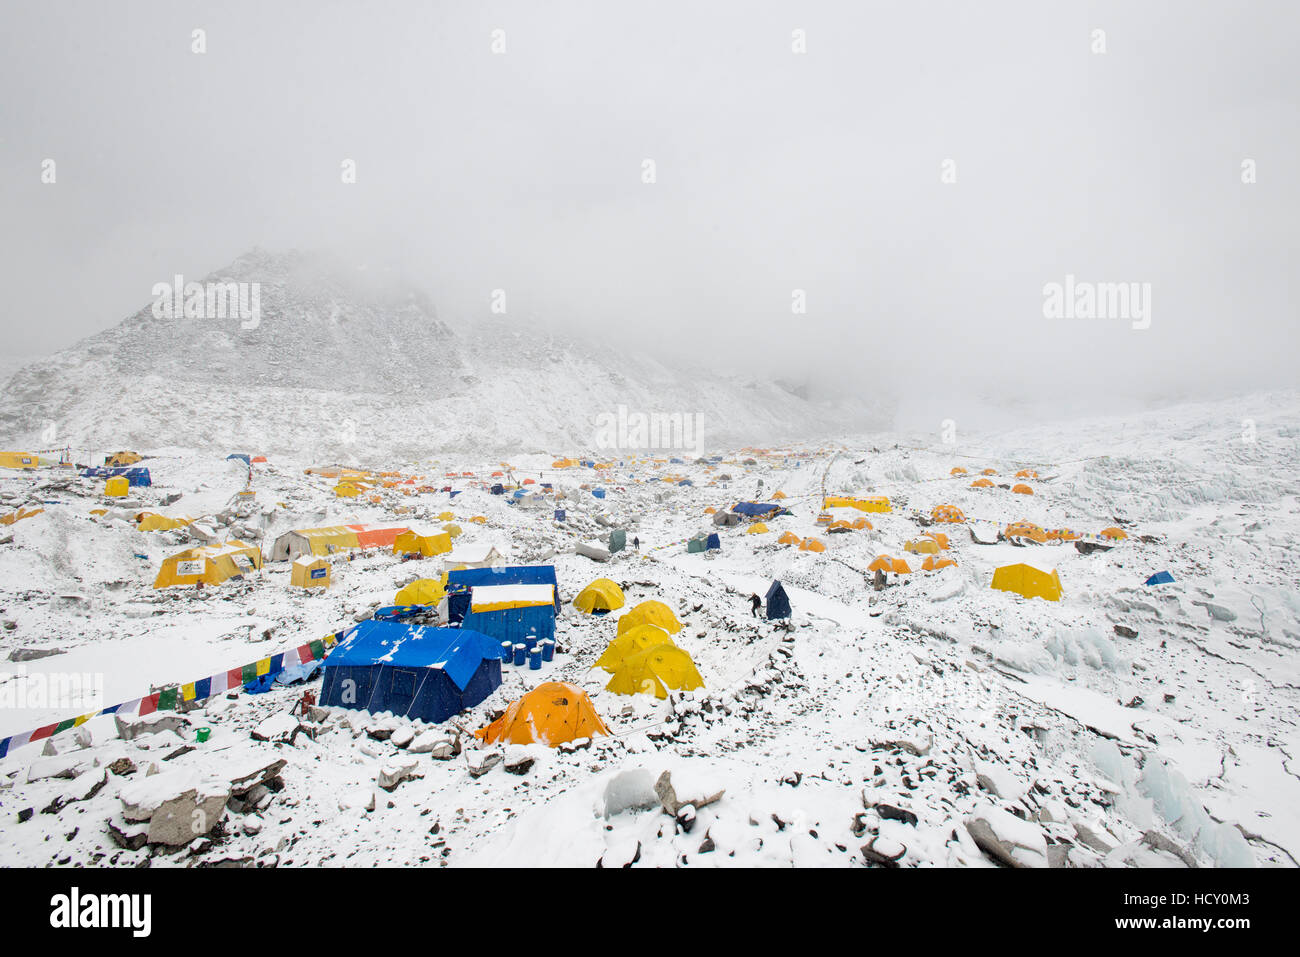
(696,544)
(617,540)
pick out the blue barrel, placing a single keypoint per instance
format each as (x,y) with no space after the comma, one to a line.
(521,651)
(535,658)
(507,651)
(548,649)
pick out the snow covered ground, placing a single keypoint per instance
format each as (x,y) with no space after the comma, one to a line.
(936,722)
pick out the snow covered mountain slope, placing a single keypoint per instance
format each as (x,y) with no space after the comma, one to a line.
(341,364)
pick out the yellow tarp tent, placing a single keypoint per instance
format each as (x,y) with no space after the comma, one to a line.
(210,564)
(117,486)
(309,571)
(1028,581)
(650,612)
(424,543)
(422,591)
(120,459)
(656,671)
(19,460)
(600,595)
(154,522)
(870,503)
(19,514)
(347,490)
(552,713)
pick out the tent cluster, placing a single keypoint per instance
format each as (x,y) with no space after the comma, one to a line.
(870,503)
(334,538)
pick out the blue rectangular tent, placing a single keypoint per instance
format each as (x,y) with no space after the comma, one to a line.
(527,625)
(462,580)
(712,542)
(134,476)
(756,509)
(427,673)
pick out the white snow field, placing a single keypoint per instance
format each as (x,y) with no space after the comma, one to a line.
(936,722)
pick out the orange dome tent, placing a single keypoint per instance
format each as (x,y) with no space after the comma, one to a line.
(958,470)
(1116,534)
(1022,489)
(933,563)
(552,713)
(947,513)
(1023,529)
(981,483)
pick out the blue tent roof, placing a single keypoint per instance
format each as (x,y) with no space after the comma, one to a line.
(134,475)
(598,492)
(509,575)
(239,455)
(756,508)
(1159,578)
(712,541)
(778,602)
(455,651)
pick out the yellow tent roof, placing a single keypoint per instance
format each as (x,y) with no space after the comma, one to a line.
(210,564)
(922,546)
(552,713)
(758,528)
(650,612)
(1022,489)
(600,595)
(117,486)
(947,513)
(789,538)
(932,563)
(812,545)
(154,522)
(423,543)
(422,591)
(1028,581)
(981,483)
(656,671)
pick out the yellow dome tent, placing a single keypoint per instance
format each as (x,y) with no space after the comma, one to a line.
(650,612)
(958,470)
(452,529)
(885,563)
(479,519)
(154,522)
(210,564)
(812,545)
(119,459)
(422,591)
(1028,581)
(600,595)
(1027,474)
(552,713)
(656,671)
(446,517)
(633,641)
(934,564)
(346,490)
(1023,529)
(947,513)
(922,546)
(981,483)
(758,528)
(939,537)
(989,472)
(789,538)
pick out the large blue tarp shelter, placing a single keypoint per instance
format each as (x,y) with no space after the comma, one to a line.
(756,509)
(412,671)
(134,476)
(527,625)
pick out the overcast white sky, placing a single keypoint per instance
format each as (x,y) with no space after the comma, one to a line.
(775,171)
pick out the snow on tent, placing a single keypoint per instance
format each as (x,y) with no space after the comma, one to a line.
(513,613)
(479,555)
(989,472)
(656,671)
(1160,578)
(947,513)
(422,540)
(333,538)
(922,546)
(1028,581)
(934,564)
(789,538)
(422,591)
(599,597)
(650,612)
(776,601)
(411,671)
(210,564)
(939,538)
(633,641)
(309,571)
(553,713)
(18,514)
(20,460)
(460,582)
(812,545)
(726,518)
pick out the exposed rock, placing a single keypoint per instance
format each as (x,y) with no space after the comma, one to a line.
(130,728)
(395,772)
(1007,839)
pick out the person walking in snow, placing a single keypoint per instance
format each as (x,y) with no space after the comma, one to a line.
(636,543)
(755,604)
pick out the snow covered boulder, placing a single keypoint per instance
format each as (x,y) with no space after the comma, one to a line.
(631,790)
(1007,839)
(179,805)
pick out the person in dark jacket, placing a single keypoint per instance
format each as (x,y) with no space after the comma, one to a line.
(636,543)
(755,604)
